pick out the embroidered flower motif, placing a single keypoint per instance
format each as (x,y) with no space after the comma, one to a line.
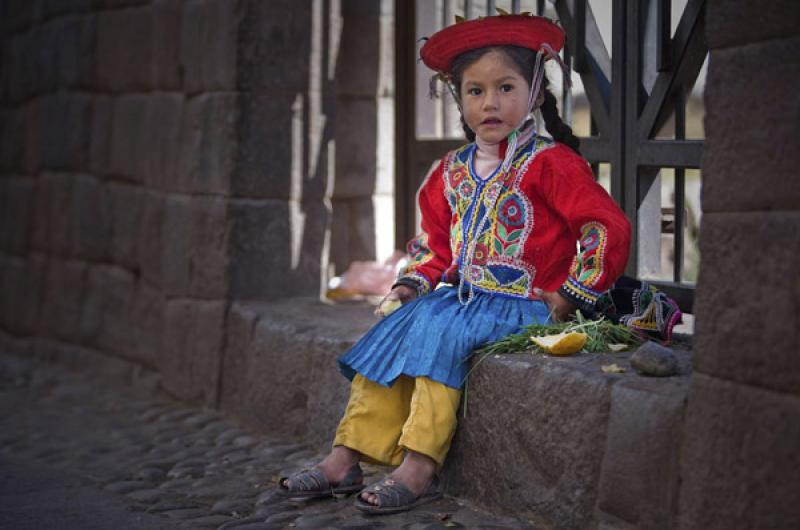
(590,240)
(481,254)
(475,274)
(511,212)
(466,189)
(456,176)
(492,192)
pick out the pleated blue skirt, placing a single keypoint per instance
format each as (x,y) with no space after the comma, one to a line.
(434,335)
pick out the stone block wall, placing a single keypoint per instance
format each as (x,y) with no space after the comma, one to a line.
(162,158)
(740,460)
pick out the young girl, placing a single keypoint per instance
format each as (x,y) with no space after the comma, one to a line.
(500,221)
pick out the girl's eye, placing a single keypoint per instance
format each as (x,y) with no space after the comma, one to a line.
(474,91)
(507,88)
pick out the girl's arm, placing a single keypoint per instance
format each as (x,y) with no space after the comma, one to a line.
(429,251)
(597,223)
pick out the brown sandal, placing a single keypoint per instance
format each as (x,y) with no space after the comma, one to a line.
(312,484)
(394,497)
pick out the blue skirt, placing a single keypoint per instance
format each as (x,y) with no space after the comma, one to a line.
(434,335)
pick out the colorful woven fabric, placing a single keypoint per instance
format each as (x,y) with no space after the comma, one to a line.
(641,307)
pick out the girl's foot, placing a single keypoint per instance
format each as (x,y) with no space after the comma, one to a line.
(335,466)
(416,473)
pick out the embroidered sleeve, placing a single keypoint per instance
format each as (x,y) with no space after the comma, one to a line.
(599,226)
(429,252)
(587,267)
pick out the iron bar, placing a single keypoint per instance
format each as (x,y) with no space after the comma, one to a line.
(663,34)
(680,190)
(670,153)
(490,8)
(579,36)
(467,9)
(689,50)
(540,7)
(515,6)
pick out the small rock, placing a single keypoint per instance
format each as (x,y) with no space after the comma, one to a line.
(150,474)
(126,486)
(146,496)
(652,359)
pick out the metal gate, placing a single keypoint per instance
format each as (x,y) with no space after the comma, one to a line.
(634,93)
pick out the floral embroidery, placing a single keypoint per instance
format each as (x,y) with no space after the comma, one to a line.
(587,268)
(496,264)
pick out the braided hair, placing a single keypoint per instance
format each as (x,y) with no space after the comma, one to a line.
(523,60)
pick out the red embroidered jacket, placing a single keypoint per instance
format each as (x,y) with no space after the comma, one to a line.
(545,203)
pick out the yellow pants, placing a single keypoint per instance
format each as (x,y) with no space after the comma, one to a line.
(415,414)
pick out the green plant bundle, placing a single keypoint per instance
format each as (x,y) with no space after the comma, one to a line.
(601,334)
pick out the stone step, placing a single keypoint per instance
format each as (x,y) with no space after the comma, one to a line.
(555,440)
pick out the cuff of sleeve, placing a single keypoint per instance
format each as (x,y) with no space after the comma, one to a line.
(416,281)
(581,296)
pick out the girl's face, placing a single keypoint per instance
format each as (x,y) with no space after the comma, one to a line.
(494,97)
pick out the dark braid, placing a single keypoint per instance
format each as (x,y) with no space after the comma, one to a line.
(560,131)
(523,61)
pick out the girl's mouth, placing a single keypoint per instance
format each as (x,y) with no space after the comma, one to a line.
(491,121)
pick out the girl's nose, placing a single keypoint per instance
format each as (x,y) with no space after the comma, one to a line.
(490,100)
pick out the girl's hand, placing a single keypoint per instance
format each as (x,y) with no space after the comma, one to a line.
(396,297)
(560,307)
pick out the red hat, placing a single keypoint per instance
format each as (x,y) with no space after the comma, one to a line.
(526,31)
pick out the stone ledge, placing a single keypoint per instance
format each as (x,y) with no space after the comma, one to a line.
(545,438)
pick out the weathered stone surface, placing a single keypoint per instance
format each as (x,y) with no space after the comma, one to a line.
(194,242)
(150,234)
(552,477)
(148,322)
(358,68)
(126,203)
(18,14)
(52,226)
(11,142)
(124,52)
(209,67)
(52,8)
(356,147)
(101,130)
(208,149)
(91,219)
(737,22)
(65,283)
(277,353)
(24,66)
(740,459)
(130,137)
(33,130)
(106,321)
(748,326)
(190,358)
(640,475)
(22,282)
(733,156)
(270,159)
(652,359)
(16,214)
(268,34)
(163,131)
(71,40)
(167,69)
(66,131)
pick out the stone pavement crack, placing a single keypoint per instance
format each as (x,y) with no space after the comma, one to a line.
(76,453)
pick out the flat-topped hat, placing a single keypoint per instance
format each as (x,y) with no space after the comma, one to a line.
(526,31)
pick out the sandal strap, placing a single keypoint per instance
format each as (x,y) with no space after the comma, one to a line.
(391,493)
(308,480)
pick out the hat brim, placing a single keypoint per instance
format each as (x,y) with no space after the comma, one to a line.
(524,31)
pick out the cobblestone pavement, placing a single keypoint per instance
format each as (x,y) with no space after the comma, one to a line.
(160,464)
